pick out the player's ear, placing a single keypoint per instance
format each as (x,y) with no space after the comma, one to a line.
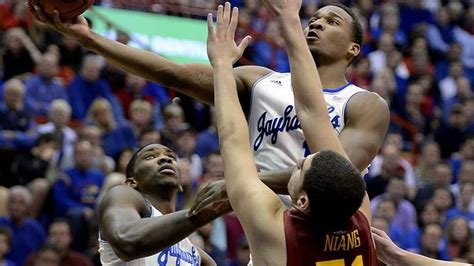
(303,201)
(131,182)
(354,50)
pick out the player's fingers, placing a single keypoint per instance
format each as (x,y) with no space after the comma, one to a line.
(219,15)
(57,20)
(202,204)
(233,23)
(378,232)
(210,25)
(39,15)
(226,16)
(244,44)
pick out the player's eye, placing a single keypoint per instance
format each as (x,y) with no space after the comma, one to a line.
(150,157)
(333,22)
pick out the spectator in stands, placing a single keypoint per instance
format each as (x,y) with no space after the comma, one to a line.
(459,237)
(452,133)
(378,58)
(75,193)
(466,175)
(43,88)
(101,161)
(59,115)
(33,169)
(59,234)
(174,118)
(270,50)
(405,216)
(443,201)
(440,33)
(448,86)
(15,125)
(71,53)
(430,158)
(464,36)
(207,141)
(115,136)
(14,14)
(466,153)
(20,55)
(463,203)
(243,253)
(185,145)
(216,254)
(139,88)
(47,255)
(87,86)
(464,94)
(390,167)
(118,176)
(5,245)
(28,234)
(150,135)
(141,116)
(441,178)
(431,244)
(13,115)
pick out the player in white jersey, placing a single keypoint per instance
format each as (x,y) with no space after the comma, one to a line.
(334,35)
(138,223)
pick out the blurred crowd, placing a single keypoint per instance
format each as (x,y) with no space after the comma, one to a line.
(70,121)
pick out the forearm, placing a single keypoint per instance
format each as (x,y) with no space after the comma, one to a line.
(32,50)
(192,79)
(151,235)
(408,258)
(231,123)
(305,77)
(277,180)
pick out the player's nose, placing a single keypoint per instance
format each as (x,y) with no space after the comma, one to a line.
(165,159)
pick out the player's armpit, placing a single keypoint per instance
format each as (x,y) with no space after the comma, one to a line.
(367,117)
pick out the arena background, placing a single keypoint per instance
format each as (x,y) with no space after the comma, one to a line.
(418,55)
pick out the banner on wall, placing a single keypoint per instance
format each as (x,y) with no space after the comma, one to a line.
(179,39)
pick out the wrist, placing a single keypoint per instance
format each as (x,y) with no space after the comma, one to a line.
(222,64)
(289,20)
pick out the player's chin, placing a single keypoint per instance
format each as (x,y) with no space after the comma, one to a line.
(169,182)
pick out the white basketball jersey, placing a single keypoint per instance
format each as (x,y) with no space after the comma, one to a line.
(276,136)
(181,254)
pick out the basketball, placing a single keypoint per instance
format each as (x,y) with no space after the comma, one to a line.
(68,9)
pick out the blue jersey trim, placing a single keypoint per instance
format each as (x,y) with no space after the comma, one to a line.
(252,92)
(336,90)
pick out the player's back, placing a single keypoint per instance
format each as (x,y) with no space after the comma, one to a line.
(306,244)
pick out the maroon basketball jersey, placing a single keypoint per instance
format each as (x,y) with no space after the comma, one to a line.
(306,245)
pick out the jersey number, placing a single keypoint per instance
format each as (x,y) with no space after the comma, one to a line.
(357,262)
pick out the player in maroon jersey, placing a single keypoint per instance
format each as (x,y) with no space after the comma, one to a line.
(326,225)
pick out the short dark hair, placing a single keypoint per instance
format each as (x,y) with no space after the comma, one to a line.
(334,187)
(62,221)
(357,31)
(48,247)
(130,170)
(6,232)
(46,138)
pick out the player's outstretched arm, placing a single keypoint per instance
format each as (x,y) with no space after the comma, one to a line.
(131,236)
(194,80)
(309,100)
(391,254)
(247,194)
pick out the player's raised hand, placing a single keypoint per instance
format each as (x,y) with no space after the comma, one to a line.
(78,29)
(387,251)
(212,192)
(221,46)
(281,8)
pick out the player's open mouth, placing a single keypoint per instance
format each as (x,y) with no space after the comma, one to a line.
(167,170)
(312,35)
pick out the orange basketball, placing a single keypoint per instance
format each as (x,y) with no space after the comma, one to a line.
(68,9)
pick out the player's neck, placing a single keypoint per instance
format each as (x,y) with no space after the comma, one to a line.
(332,75)
(163,200)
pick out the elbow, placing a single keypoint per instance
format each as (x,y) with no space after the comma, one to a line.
(125,247)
